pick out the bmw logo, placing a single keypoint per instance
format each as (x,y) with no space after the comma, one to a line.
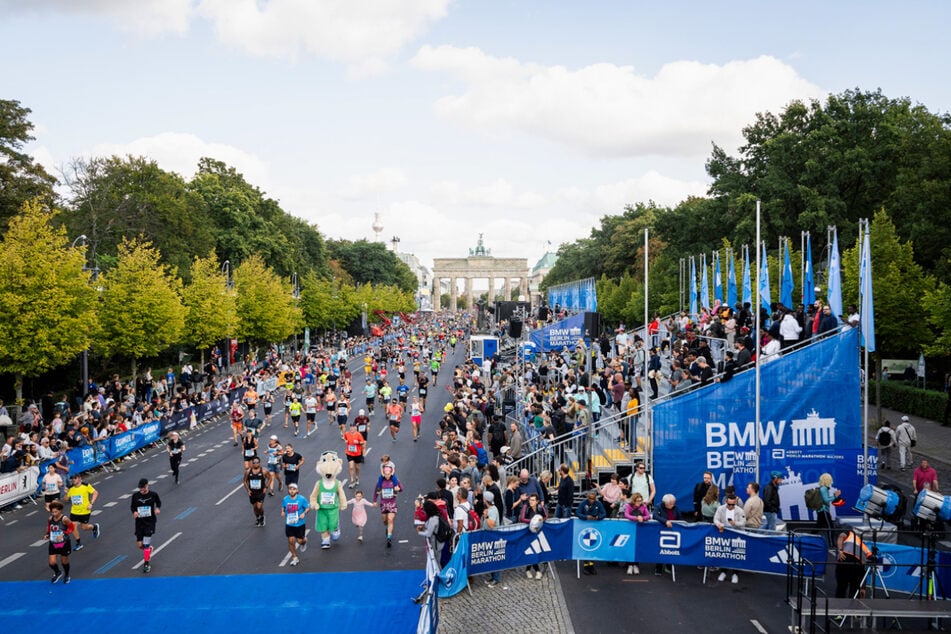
(589,539)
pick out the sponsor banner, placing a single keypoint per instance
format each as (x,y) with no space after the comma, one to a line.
(121,445)
(560,335)
(85,458)
(810,424)
(605,540)
(901,568)
(147,433)
(18,485)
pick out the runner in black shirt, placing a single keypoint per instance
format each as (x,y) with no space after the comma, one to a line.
(145,505)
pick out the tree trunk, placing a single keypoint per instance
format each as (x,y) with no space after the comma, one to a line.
(18,386)
(878,387)
(134,367)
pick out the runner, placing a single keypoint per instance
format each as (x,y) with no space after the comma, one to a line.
(81,498)
(402,393)
(295,409)
(237,422)
(310,412)
(386,393)
(52,485)
(249,448)
(58,529)
(294,511)
(359,513)
(330,400)
(288,401)
(292,462)
(356,443)
(423,390)
(394,414)
(385,493)
(416,416)
(175,447)
(274,451)
(369,390)
(343,412)
(145,505)
(267,401)
(256,481)
(362,423)
(251,400)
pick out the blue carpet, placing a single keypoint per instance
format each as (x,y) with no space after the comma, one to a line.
(343,602)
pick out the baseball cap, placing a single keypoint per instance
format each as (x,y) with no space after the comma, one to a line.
(273,437)
(291,485)
(488,497)
(143,483)
(361,412)
(776,474)
(904,418)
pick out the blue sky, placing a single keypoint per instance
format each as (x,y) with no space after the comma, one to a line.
(526,121)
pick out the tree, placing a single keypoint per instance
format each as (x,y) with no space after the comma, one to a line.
(267,310)
(372,263)
(327,303)
(47,305)
(21,179)
(937,305)
(141,312)
(114,198)
(210,307)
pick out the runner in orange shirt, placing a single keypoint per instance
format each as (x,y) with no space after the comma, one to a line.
(355,444)
(237,422)
(394,413)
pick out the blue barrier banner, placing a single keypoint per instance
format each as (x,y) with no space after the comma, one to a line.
(147,433)
(810,423)
(561,334)
(619,540)
(84,459)
(121,445)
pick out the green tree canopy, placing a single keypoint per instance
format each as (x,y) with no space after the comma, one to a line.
(141,311)
(210,304)
(47,305)
(267,309)
(21,178)
(372,263)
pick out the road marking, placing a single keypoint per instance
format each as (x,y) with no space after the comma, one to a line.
(287,555)
(164,475)
(402,541)
(36,544)
(108,477)
(110,504)
(12,522)
(186,512)
(382,430)
(110,565)
(367,451)
(96,512)
(201,455)
(125,497)
(32,513)
(759,628)
(194,459)
(235,490)
(155,551)
(11,559)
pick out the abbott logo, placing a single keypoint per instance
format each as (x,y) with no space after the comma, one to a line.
(669,543)
(539,545)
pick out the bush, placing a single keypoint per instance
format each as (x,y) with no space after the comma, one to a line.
(905,398)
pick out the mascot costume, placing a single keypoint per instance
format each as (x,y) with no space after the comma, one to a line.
(328,497)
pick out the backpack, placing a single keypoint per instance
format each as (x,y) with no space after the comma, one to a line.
(474,523)
(443,531)
(814,500)
(482,458)
(884,438)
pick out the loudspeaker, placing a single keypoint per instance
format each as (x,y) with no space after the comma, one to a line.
(543,313)
(515,328)
(592,324)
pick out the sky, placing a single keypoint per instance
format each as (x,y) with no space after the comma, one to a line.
(525,121)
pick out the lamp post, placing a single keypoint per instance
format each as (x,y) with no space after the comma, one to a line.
(229,286)
(94,276)
(295,293)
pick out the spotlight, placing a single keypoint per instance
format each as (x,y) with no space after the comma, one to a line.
(930,505)
(876,502)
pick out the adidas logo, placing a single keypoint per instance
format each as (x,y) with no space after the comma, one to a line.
(783,556)
(539,545)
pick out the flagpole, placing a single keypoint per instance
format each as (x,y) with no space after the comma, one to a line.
(758,312)
(647,336)
(868,265)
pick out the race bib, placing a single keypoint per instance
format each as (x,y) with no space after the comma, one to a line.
(387,494)
(422,391)
(352,448)
(51,487)
(256,483)
(77,500)
(145,511)
(56,536)
(290,467)
(248,453)
(293,518)
(176,451)
(326,497)
(394,417)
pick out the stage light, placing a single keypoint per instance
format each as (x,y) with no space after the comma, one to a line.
(930,505)
(876,502)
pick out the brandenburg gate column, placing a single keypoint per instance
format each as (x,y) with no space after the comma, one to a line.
(453,293)
(506,288)
(437,292)
(491,295)
(468,292)
(523,288)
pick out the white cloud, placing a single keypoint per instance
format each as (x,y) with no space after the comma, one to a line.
(384,180)
(610,110)
(149,17)
(179,152)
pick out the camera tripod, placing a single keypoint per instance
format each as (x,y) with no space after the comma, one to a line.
(928,586)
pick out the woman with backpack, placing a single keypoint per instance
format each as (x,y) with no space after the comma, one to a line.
(886,440)
(824,513)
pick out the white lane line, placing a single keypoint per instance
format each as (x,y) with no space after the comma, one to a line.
(39,543)
(110,504)
(194,459)
(233,491)
(385,428)
(12,523)
(11,559)
(367,452)
(96,512)
(164,475)
(287,555)
(32,513)
(759,628)
(155,551)
(201,455)
(108,477)
(125,497)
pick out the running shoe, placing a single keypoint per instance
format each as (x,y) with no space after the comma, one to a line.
(147,567)
(79,546)
(67,579)
(357,483)
(56,577)
(262,520)
(96,531)
(302,547)
(389,542)
(295,561)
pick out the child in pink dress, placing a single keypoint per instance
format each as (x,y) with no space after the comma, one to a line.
(359,513)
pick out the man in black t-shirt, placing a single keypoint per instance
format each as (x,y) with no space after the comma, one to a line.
(145,505)
(292,462)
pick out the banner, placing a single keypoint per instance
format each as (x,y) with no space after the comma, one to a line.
(810,424)
(18,485)
(560,335)
(581,295)
(620,540)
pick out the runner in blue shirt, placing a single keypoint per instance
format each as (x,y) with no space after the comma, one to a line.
(369,390)
(294,508)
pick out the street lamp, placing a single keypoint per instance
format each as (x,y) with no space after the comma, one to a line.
(94,277)
(229,286)
(295,293)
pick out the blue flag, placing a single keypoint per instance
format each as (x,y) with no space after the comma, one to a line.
(764,298)
(731,283)
(785,292)
(717,278)
(747,284)
(693,289)
(704,285)
(865,292)
(808,284)
(835,277)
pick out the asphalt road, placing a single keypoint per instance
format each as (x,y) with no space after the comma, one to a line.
(206,526)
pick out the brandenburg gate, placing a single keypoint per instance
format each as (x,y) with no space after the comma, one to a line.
(479,265)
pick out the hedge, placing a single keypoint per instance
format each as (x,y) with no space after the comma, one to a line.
(911,400)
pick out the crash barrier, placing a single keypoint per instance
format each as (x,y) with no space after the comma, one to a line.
(618,540)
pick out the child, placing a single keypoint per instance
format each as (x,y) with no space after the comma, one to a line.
(359,514)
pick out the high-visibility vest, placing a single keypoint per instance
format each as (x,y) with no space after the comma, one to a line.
(855,547)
